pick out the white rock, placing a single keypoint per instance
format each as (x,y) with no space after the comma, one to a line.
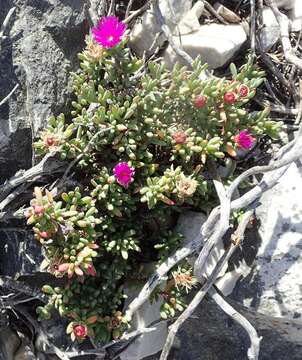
(216,44)
(149,343)
(145,31)
(279,258)
(270,32)
(189,225)
(286,4)
(295,15)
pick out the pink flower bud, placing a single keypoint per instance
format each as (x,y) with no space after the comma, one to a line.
(179,137)
(91,270)
(63,267)
(200,101)
(80,331)
(229,98)
(44,234)
(39,209)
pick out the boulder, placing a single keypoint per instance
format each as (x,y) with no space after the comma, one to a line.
(40,48)
(147,28)
(270,32)
(216,44)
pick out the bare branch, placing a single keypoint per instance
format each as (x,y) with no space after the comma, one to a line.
(6,21)
(253,351)
(3,101)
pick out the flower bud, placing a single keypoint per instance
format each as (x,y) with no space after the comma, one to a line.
(229,98)
(179,137)
(200,101)
(80,331)
(39,209)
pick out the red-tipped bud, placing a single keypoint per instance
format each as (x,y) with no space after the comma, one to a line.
(63,267)
(200,101)
(91,270)
(229,98)
(180,137)
(80,331)
(39,209)
(44,234)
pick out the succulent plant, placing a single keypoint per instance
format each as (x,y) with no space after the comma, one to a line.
(145,136)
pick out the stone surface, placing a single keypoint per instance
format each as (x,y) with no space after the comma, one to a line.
(147,344)
(43,38)
(146,29)
(270,32)
(275,282)
(295,14)
(216,45)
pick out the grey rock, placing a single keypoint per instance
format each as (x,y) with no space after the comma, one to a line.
(147,28)
(270,32)
(275,281)
(20,253)
(42,40)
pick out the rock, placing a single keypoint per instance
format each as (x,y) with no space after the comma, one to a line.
(295,15)
(9,343)
(216,45)
(43,38)
(286,4)
(270,32)
(20,253)
(274,286)
(150,343)
(145,31)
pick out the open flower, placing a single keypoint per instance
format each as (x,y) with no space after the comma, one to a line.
(243,90)
(123,174)
(184,279)
(109,31)
(186,187)
(244,139)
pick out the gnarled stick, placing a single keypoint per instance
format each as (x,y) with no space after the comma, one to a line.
(253,351)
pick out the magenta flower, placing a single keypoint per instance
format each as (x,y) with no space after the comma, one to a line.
(244,139)
(123,174)
(109,31)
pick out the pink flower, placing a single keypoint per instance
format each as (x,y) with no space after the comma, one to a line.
(109,31)
(244,139)
(123,174)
